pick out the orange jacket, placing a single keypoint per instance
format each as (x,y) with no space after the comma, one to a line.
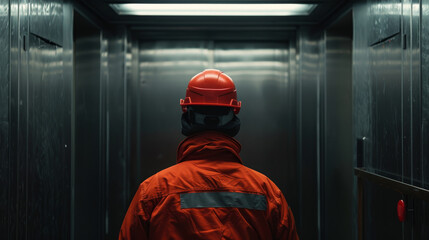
(208,194)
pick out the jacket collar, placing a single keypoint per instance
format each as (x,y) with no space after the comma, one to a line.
(209,145)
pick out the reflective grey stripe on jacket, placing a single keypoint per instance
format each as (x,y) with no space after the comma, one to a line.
(223,199)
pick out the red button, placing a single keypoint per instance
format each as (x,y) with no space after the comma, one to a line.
(401,210)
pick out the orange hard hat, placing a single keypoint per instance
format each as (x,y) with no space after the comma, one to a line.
(211,88)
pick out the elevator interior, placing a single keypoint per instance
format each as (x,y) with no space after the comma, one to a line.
(89,108)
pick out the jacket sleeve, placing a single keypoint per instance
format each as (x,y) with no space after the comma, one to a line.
(280,216)
(136,221)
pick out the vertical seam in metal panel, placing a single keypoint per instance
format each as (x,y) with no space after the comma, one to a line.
(421,93)
(107,135)
(138,127)
(410,50)
(318,119)
(73,131)
(299,122)
(101,171)
(9,105)
(18,69)
(27,22)
(125,155)
(18,130)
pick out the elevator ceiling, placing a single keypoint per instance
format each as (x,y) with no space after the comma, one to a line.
(214,28)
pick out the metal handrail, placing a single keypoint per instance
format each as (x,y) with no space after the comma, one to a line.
(396,185)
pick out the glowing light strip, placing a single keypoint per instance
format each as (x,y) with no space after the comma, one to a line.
(186,9)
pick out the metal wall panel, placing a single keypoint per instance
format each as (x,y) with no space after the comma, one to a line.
(4,115)
(46,19)
(116,125)
(22,128)
(397,94)
(407,94)
(386,66)
(308,136)
(89,166)
(377,116)
(384,19)
(133,117)
(291,129)
(424,165)
(337,164)
(67,56)
(421,173)
(48,192)
(14,120)
(362,88)
(415,103)
(39,147)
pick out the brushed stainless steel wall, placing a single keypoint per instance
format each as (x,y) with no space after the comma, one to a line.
(421,56)
(310,73)
(388,109)
(116,124)
(4,115)
(133,114)
(377,85)
(89,165)
(386,80)
(48,162)
(43,168)
(104,124)
(362,90)
(423,166)
(338,218)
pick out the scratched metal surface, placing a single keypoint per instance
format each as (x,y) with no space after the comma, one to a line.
(377,112)
(362,89)
(48,191)
(386,79)
(422,166)
(384,19)
(425,93)
(46,19)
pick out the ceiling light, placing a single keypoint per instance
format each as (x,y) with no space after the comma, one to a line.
(186,9)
